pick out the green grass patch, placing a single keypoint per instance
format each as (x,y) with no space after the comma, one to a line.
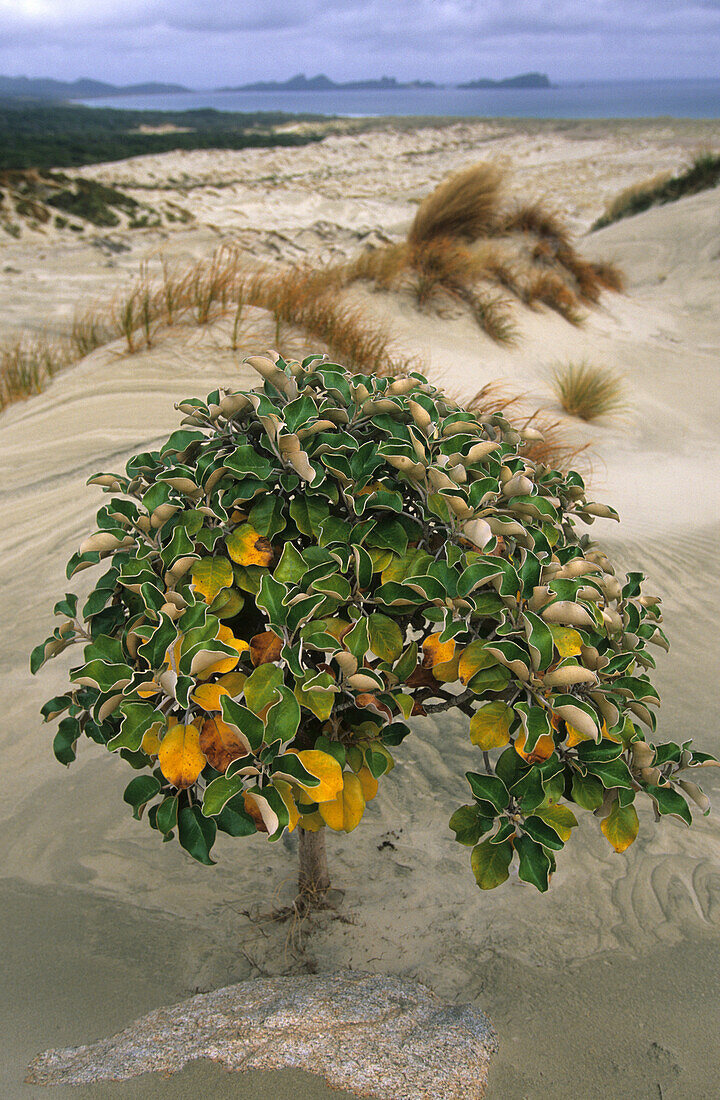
(701,175)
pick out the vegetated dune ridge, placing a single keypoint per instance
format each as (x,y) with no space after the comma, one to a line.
(604,986)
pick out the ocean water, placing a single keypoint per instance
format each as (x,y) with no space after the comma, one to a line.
(616,99)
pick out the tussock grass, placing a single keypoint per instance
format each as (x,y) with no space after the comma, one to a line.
(588,391)
(463,207)
(702,174)
(453,250)
(26,364)
(537,219)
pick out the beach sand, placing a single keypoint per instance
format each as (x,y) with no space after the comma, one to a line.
(605,986)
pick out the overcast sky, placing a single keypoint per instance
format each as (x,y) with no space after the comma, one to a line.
(207,43)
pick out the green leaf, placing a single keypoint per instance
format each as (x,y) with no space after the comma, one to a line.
(262,687)
(491,863)
(544,834)
(140,790)
(196,834)
(65,740)
(540,640)
(283,718)
(488,788)
(234,819)
(136,721)
(534,863)
(167,814)
(469,825)
(219,792)
(291,568)
(386,637)
(270,598)
(613,774)
(669,802)
(587,791)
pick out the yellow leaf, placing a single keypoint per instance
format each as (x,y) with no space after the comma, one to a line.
(311,822)
(560,818)
(574,737)
(284,789)
(246,547)
(473,658)
(148,689)
(490,726)
(368,782)
(621,826)
(210,576)
(567,641)
(325,768)
(208,696)
(437,652)
(180,757)
(344,813)
(544,748)
(225,664)
(151,739)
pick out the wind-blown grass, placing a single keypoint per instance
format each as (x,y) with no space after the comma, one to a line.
(588,391)
(463,243)
(702,174)
(465,206)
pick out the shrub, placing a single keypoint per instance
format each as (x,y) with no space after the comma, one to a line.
(588,391)
(303,567)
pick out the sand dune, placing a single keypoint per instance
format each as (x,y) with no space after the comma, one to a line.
(603,987)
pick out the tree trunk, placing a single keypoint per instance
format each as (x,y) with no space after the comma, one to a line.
(313,878)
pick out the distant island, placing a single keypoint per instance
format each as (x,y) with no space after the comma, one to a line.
(525,80)
(44,88)
(322,83)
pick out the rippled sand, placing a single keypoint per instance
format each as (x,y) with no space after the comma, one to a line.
(605,986)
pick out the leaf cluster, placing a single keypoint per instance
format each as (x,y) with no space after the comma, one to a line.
(303,567)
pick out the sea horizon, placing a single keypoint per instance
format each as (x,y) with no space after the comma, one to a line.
(652,98)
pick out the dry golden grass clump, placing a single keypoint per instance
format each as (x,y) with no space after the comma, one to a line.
(26,364)
(464,243)
(588,391)
(465,206)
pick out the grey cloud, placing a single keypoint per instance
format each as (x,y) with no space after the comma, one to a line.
(203,42)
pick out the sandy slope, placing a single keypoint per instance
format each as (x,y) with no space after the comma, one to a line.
(603,987)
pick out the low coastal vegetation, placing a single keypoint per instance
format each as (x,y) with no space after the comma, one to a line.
(46,135)
(588,390)
(38,199)
(303,567)
(702,174)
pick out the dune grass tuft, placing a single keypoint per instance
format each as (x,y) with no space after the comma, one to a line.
(26,364)
(588,391)
(463,239)
(702,174)
(465,206)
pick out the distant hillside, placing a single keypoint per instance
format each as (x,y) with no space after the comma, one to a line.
(525,80)
(322,83)
(44,88)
